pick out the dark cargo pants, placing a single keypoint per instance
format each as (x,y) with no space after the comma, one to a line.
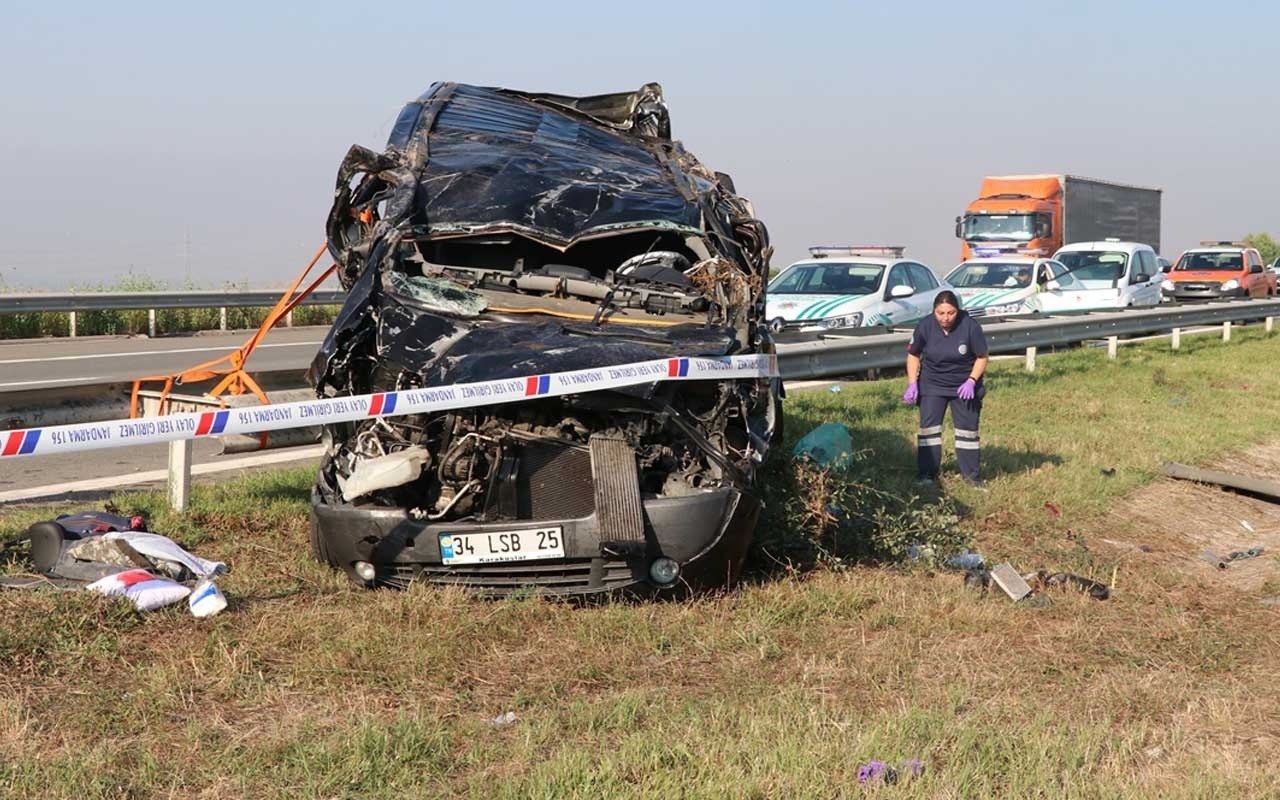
(964,416)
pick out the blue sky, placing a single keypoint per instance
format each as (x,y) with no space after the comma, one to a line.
(170,141)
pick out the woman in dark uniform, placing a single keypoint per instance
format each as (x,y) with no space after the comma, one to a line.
(945,362)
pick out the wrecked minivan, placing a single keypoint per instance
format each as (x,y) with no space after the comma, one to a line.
(509,235)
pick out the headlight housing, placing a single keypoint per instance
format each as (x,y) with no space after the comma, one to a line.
(847,321)
(1228,286)
(1168,286)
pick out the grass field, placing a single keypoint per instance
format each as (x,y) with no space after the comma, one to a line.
(781,687)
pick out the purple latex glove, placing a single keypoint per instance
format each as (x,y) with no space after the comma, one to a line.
(965,392)
(912,394)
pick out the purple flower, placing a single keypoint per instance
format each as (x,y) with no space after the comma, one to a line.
(876,770)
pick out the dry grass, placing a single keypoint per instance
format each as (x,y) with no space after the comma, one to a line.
(781,687)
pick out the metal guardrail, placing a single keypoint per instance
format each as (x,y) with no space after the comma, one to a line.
(73,303)
(34,302)
(832,355)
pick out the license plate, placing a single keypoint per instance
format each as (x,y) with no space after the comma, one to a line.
(494,546)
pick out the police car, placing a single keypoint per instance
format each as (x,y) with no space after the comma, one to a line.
(851,287)
(999,287)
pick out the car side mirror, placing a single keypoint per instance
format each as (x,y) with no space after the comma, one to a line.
(901,290)
(1053,286)
(957,227)
(1141,277)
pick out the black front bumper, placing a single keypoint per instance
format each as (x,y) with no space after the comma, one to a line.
(706,534)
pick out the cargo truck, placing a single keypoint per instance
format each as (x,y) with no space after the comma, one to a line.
(1035,215)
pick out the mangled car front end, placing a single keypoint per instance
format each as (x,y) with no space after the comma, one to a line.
(504,238)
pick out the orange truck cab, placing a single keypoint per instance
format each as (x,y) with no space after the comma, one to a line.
(1218,269)
(1035,215)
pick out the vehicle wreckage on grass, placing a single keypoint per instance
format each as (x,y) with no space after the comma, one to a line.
(509,235)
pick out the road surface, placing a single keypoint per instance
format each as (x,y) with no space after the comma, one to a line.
(53,363)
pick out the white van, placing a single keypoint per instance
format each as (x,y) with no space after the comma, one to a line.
(1115,274)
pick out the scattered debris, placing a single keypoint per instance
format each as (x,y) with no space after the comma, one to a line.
(1235,555)
(1095,589)
(145,591)
(829,445)
(1269,601)
(1252,552)
(206,599)
(964,560)
(117,557)
(1245,524)
(1054,510)
(1008,579)
(835,389)
(1109,472)
(1255,487)
(1019,587)
(502,720)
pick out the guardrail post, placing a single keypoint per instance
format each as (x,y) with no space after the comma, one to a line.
(1031,359)
(1176,338)
(151,322)
(1226,331)
(1266,325)
(71,318)
(179,474)
(222,318)
(288,320)
(1113,343)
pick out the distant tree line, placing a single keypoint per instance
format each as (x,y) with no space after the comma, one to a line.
(1268,247)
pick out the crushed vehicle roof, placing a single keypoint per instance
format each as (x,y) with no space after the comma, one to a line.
(464,159)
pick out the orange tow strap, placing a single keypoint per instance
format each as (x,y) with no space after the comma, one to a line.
(231,366)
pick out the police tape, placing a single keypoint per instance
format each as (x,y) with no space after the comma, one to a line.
(304,413)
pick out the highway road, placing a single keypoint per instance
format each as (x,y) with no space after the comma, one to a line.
(52,363)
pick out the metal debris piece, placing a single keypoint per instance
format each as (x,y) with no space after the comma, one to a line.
(1008,579)
(1237,555)
(1095,589)
(1254,487)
